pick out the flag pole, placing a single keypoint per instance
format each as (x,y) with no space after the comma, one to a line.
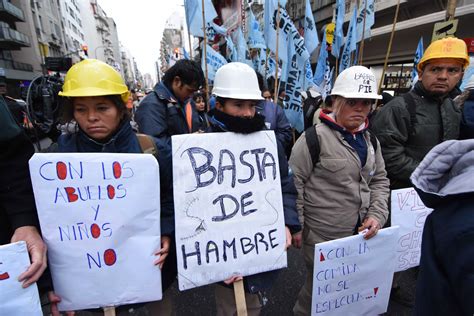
(190,45)
(204,49)
(389,45)
(361,48)
(275,97)
(266,65)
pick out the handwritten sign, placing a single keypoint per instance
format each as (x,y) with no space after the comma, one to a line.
(353,276)
(408,212)
(229,209)
(14,299)
(100,217)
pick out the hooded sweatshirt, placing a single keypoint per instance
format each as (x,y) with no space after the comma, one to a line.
(444,181)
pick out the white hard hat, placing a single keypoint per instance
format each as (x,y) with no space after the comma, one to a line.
(356,82)
(236,81)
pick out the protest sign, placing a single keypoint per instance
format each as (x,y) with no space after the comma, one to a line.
(353,276)
(409,213)
(100,218)
(14,299)
(229,210)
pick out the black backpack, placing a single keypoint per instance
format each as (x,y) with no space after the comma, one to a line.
(310,106)
(312,142)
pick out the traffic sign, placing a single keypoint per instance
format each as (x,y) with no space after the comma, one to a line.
(444,29)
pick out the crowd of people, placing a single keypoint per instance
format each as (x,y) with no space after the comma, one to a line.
(335,178)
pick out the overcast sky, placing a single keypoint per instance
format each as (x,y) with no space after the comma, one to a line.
(140,25)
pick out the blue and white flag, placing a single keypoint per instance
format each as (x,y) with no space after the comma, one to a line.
(327,82)
(338,32)
(259,62)
(418,55)
(271,68)
(321,65)
(286,34)
(255,39)
(243,55)
(214,61)
(311,39)
(231,50)
(185,54)
(369,14)
(193,10)
(308,78)
(350,44)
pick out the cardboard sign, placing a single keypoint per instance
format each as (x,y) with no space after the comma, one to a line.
(409,213)
(14,299)
(444,29)
(100,217)
(353,276)
(228,206)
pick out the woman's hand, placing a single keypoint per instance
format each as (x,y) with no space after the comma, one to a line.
(372,225)
(163,252)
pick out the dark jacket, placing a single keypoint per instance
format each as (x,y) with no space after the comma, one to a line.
(17,204)
(262,282)
(467,122)
(276,120)
(444,181)
(161,115)
(405,143)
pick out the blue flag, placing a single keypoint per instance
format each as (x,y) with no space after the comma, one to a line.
(287,32)
(185,54)
(271,68)
(311,39)
(308,79)
(338,32)
(369,14)
(214,61)
(418,54)
(321,65)
(350,44)
(241,45)
(327,82)
(256,39)
(231,50)
(193,10)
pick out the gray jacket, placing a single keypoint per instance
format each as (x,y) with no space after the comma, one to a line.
(405,144)
(338,192)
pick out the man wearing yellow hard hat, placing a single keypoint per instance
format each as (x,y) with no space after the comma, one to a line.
(409,126)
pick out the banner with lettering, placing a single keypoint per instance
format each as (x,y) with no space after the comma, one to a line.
(353,276)
(229,209)
(100,218)
(14,299)
(409,213)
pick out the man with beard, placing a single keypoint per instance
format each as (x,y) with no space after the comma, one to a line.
(237,94)
(408,127)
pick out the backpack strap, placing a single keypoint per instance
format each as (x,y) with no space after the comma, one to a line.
(373,140)
(147,144)
(313,144)
(411,107)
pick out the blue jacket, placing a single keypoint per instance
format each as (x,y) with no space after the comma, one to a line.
(444,182)
(161,115)
(467,121)
(262,282)
(125,141)
(276,120)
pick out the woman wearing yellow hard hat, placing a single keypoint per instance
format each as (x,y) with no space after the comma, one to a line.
(95,97)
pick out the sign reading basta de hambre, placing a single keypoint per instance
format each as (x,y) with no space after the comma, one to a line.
(100,218)
(228,206)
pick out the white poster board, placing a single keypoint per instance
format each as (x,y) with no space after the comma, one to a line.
(100,218)
(228,206)
(409,213)
(14,299)
(353,276)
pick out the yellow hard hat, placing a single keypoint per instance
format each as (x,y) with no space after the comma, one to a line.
(448,47)
(91,78)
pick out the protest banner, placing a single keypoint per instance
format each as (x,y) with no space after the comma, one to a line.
(14,299)
(229,210)
(409,213)
(353,276)
(100,218)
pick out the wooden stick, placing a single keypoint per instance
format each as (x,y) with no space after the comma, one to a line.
(204,49)
(190,45)
(389,45)
(109,311)
(450,10)
(337,66)
(361,47)
(275,98)
(240,298)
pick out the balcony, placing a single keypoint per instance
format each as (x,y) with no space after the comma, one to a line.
(10,13)
(10,64)
(12,39)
